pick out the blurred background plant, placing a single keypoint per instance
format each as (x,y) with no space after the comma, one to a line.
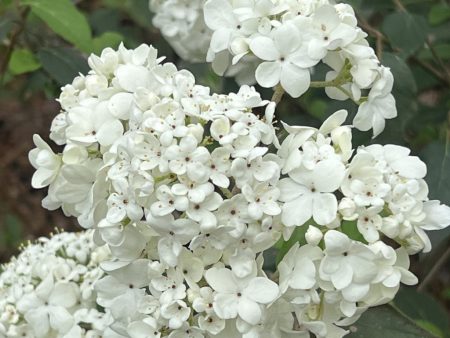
(44,44)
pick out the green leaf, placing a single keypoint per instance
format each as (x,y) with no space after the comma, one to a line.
(107,39)
(423,309)
(350,228)
(386,321)
(139,12)
(23,61)
(64,19)
(63,64)
(437,157)
(406,31)
(12,231)
(298,236)
(439,14)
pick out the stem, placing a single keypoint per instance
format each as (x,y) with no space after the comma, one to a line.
(12,42)
(441,261)
(439,60)
(379,37)
(277,94)
(226,192)
(399,5)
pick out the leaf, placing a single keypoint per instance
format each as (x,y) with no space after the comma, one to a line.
(107,39)
(406,31)
(438,14)
(350,228)
(386,321)
(139,12)
(23,61)
(423,309)
(64,19)
(63,64)
(298,236)
(437,157)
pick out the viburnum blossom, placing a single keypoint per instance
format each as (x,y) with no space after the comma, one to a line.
(279,42)
(48,289)
(190,188)
(182,24)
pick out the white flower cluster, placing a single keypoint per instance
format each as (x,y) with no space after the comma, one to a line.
(48,289)
(285,39)
(188,189)
(182,25)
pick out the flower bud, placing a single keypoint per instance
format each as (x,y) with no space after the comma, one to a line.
(313,236)
(347,209)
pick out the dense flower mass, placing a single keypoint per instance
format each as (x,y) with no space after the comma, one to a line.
(182,24)
(278,43)
(285,39)
(187,189)
(48,290)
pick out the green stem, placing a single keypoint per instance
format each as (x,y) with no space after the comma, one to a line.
(278,94)
(226,192)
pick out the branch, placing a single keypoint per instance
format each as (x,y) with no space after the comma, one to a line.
(439,60)
(441,261)
(399,5)
(12,42)
(375,33)
(277,94)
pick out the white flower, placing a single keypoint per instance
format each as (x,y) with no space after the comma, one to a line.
(313,235)
(47,288)
(347,265)
(45,161)
(93,124)
(379,106)
(177,312)
(285,60)
(325,31)
(308,193)
(240,296)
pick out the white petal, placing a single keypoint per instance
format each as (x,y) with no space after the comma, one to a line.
(324,208)
(63,294)
(221,280)
(261,290)
(294,80)
(304,276)
(342,277)
(328,175)
(298,211)
(268,74)
(249,311)
(410,167)
(264,48)
(226,306)
(109,132)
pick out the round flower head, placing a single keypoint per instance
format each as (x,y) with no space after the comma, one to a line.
(48,289)
(175,180)
(187,189)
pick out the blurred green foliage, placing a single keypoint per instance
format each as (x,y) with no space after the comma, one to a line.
(44,44)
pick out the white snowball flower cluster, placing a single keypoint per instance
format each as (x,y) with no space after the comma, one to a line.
(182,24)
(48,289)
(285,39)
(187,189)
